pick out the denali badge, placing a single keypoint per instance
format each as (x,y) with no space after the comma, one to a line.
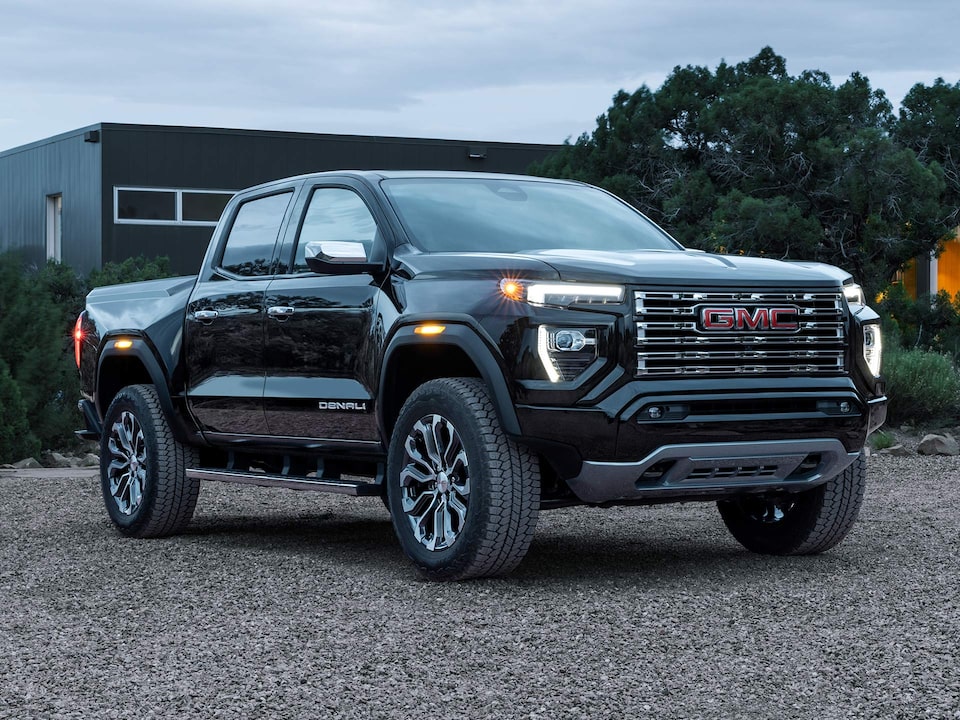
(337,405)
(742,318)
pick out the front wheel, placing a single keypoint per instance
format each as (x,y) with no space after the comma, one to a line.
(143,467)
(802,523)
(463,497)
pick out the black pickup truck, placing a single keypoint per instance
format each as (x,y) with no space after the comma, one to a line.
(474,348)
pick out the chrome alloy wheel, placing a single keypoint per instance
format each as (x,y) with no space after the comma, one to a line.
(127,471)
(435,482)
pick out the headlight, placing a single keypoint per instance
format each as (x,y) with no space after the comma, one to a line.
(562,294)
(872,348)
(566,352)
(854,294)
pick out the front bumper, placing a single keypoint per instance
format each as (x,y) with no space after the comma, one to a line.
(713,469)
(703,439)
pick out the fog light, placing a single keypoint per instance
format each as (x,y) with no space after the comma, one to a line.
(570,340)
(844,407)
(655,413)
(566,352)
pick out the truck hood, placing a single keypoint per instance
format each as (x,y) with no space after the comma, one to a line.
(688,268)
(645,267)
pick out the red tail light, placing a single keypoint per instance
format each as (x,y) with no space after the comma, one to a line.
(78,338)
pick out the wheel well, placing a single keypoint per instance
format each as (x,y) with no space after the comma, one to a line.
(413,365)
(115,374)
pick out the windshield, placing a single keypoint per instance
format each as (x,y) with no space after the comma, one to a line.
(493,215)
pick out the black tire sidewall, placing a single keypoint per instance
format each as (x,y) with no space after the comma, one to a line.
(776,538)
(130,399)
(440,400)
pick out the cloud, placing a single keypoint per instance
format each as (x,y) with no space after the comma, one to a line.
(402,66)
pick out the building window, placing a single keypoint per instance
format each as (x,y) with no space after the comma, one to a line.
(168,206)
(147,205)
(201,206)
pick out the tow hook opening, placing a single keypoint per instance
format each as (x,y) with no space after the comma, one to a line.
(652,476)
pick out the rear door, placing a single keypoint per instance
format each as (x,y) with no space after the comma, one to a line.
(225,319)
(320,352)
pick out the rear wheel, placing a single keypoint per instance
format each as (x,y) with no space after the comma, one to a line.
(463,497)
(143,467)
(798,523)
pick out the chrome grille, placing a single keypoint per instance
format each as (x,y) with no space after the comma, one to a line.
(672,339)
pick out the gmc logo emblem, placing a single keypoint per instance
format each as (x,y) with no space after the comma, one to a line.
(741,318)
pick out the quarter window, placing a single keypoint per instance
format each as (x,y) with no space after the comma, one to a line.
(249,248)
(335,214)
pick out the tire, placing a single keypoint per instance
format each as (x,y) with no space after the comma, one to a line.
(143,467)
(483,488)
(798,524)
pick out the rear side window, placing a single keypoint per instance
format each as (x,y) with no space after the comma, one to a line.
(249,247)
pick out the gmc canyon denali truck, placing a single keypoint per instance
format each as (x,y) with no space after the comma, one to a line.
(474,348)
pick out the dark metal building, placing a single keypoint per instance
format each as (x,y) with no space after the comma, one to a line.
(109,191)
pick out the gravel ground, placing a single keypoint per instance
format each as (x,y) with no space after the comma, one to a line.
(282,604)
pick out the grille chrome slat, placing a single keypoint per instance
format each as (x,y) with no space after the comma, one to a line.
(670,342)
(835,339)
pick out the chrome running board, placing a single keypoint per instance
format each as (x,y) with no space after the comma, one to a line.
(290,482)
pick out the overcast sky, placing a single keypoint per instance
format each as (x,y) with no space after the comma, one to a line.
(519,70)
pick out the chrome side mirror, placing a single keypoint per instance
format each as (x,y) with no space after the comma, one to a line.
(338,257)
(336,252)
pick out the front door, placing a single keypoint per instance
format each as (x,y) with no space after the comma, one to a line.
(225,322)
(319,331)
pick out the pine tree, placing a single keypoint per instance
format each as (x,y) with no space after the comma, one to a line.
(16,440)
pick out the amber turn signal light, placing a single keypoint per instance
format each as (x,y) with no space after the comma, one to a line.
(429,329)
(512,289)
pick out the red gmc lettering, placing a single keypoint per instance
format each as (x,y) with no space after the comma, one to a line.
(778,324)
(717,318)
(741,318)
(759,319)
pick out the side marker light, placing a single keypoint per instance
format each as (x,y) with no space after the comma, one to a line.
(429,329)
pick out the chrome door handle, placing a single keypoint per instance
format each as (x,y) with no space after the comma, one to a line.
(280,312)
(206,316)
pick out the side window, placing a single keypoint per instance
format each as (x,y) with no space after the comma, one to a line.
(335,214)
(254,232)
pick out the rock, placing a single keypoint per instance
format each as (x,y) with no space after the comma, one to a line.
(897,450)
(55,460)
(867,452)
(27,464)
(89,460)
(938,445)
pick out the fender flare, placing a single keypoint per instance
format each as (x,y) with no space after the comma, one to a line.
(143,352)
(480,351)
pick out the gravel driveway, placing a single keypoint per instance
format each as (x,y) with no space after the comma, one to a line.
(282,604)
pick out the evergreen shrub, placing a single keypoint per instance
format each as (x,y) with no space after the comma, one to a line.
(923,387)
